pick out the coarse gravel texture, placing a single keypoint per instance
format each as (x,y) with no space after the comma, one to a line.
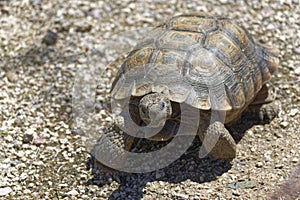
(43,152)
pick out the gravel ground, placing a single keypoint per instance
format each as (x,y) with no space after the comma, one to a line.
(46,45)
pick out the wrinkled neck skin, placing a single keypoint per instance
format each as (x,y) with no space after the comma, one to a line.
(155,109)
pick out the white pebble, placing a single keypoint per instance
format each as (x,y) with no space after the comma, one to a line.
(73,193)
(284,124)
(5,191)
(293,112)
(297,70)
(63,140)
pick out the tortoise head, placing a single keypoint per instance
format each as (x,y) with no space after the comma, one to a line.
(155,109)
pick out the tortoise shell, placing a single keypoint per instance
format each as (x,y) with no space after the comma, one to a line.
(206,62)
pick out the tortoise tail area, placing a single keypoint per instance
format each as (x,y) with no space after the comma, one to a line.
(268,60)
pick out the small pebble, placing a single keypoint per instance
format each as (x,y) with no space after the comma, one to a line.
(293,112)
(259,164)
(181,196)
(63,140)
(5,191)
(223,1)
(297,70)
(27,138)
(23,176)
(73,193)
(50,38)
(278,166)
(297,50)
(284,124)
(11,76)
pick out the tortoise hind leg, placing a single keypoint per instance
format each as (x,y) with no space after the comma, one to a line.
(264,105)
(218,142)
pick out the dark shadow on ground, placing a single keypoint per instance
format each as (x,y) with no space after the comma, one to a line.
(188,166)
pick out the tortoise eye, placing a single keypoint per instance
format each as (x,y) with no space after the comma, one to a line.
(162,105)
(143,109)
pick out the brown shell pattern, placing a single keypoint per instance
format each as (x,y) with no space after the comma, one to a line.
(207,62)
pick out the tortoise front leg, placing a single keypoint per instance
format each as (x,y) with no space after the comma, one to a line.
(111,150)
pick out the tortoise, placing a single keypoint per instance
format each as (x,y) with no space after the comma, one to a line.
(208,63)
